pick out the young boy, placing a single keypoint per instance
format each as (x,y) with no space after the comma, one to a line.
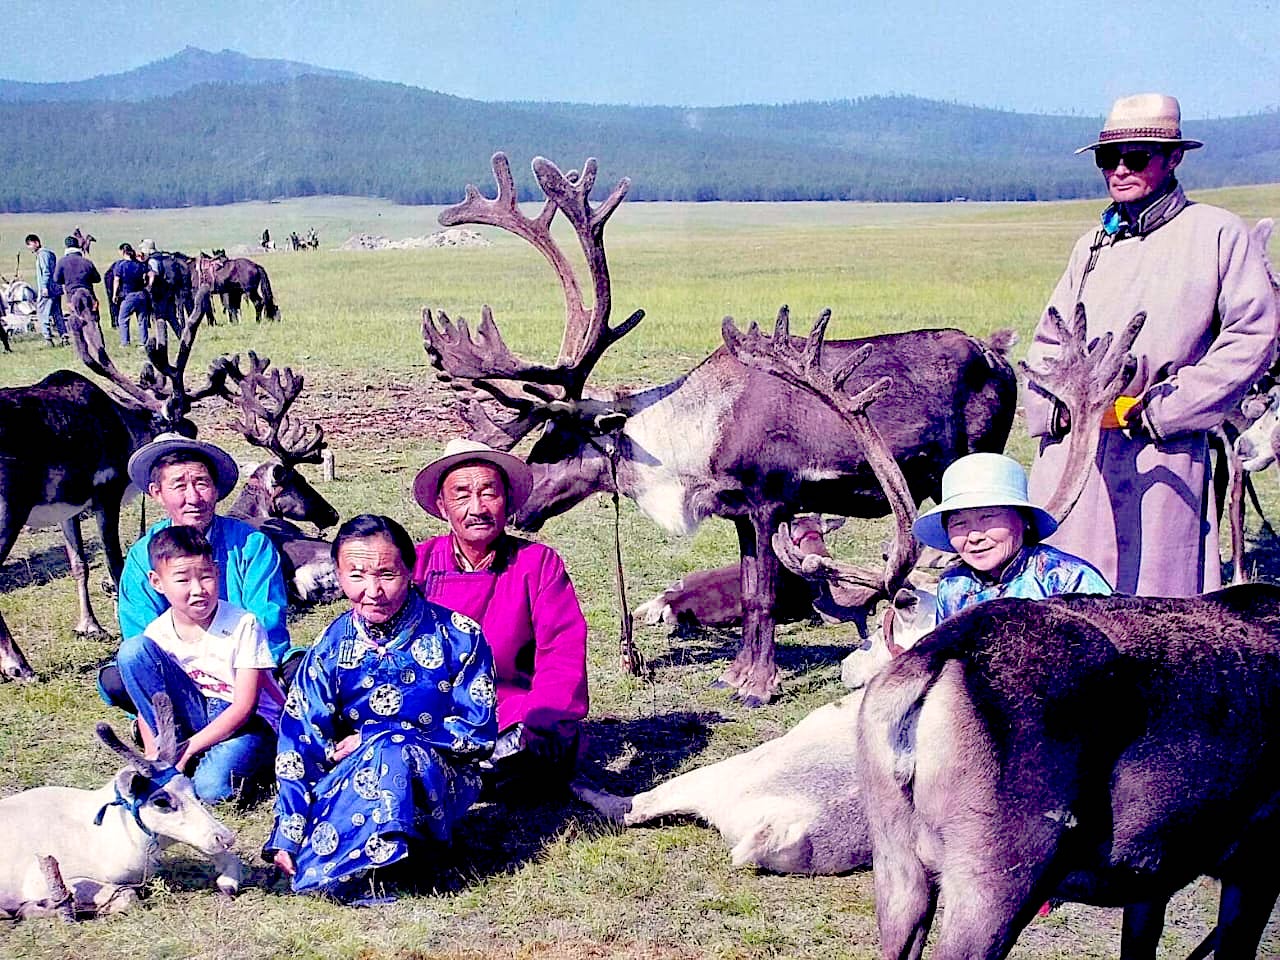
(212,658)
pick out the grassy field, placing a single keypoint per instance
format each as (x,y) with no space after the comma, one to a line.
(544,880)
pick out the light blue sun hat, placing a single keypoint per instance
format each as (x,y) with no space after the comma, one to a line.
(982,480)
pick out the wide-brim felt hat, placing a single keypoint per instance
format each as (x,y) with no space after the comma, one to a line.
(426,486)
(225,472)
(1144,118)
(147,246)
(982,480)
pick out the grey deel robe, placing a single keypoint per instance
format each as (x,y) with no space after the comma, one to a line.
(1146,518)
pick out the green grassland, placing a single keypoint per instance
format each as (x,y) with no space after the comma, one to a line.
(543,879)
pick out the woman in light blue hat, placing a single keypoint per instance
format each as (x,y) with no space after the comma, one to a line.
(986,519)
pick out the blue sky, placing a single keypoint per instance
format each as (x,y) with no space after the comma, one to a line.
(1220,58)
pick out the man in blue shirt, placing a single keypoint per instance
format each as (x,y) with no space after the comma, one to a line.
(130,294)
(188,478)
(48,295)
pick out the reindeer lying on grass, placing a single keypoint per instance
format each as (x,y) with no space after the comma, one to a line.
(795,804)
(105,842)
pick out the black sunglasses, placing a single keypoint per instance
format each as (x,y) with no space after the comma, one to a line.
(1108,158)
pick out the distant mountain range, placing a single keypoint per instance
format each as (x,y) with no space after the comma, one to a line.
(203,128)
(187,68)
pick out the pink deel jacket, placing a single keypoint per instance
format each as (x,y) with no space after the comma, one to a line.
(529,613)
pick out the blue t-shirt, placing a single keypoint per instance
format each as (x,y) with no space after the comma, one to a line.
(1038,572)
(131,276)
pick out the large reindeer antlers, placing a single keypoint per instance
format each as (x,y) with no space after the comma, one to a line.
(161,386)
(800,364)
(265,396)
(482,361)
(1086,378)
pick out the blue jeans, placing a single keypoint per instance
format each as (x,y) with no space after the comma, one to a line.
(225,767)
(49,310)
(133,303)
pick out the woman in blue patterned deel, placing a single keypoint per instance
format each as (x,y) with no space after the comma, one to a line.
(386,721)
(985,518)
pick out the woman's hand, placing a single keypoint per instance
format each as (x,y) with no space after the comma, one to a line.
(346,746)
(284,860)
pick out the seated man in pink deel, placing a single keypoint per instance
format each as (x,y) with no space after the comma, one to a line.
(520,594)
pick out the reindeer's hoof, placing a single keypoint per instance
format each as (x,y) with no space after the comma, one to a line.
(91,630)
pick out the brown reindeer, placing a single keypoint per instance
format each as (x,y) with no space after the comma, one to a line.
(795,804)
(721,440)
(275,493)
(65,444)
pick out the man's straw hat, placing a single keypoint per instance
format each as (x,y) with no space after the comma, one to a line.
(426,487)
(1143,118)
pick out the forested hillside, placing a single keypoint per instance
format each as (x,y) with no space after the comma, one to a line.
(221,143)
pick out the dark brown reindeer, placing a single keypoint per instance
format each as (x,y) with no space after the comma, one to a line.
(65,444)
(720,440)
(275,492)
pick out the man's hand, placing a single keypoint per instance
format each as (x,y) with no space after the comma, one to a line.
(1135,426)
(284,860)
(346,746)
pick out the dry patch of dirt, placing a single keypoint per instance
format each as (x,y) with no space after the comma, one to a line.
(363,414)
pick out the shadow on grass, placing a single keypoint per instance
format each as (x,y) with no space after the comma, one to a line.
(38,568)
(1261,557)
(698,645)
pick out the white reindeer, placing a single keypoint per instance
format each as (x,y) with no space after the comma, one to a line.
(106,841)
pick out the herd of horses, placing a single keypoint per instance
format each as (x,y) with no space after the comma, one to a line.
(763,429)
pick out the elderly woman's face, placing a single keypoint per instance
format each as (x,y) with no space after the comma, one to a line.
(373,576)
(986,538)
(473,498)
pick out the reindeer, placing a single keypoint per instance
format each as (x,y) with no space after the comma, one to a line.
(721,440)
(713,598)
(86,851)
(1106,750)
(65,444)
(275,492)
(794,804)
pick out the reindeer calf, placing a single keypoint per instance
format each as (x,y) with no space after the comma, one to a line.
(1107,750)
(105,841)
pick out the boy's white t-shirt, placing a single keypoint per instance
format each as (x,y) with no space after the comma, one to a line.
(234,639)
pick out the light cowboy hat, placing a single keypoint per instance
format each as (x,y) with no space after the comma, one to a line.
(225,471)
(982,480)
(426,486)
(147,246)
(1144,118)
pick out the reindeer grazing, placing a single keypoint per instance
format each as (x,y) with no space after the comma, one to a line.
(721,440)
(103,843)
(794,804)
(65,444)
(234,278)
(275,492)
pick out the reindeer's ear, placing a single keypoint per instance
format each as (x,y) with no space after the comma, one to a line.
(610,422)
(832,523)
(130,783)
